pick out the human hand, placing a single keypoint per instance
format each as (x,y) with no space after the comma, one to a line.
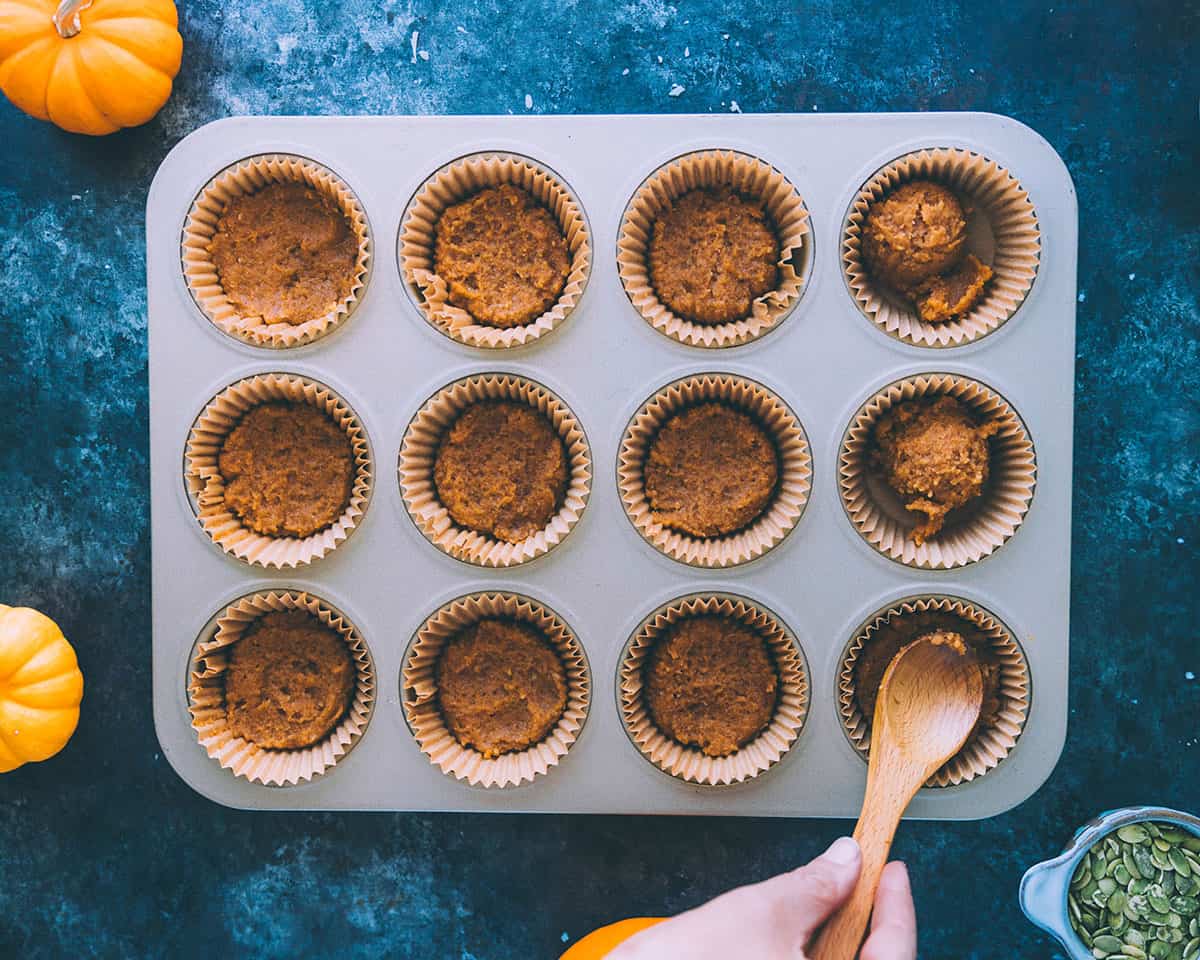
(776,919)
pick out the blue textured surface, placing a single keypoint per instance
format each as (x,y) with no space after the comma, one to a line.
(105,852)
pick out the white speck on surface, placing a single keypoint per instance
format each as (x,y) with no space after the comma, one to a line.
(1132,275)
(1082,296)
(76,196)
(660,59)
(1134,701)
(733,107)
(676,90)
(286,44)
(461,29)
(625,72)
(1179,539)
(814,108)
(564,937)
(1189,675)
(416,35)
(724,36)
(423,54)
(687,51)
(528,101)
(972,69)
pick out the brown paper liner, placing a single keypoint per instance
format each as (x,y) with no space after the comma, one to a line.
(419,691)
(206,694)
(690,763)
(784,510)
(247,176)
(206,486)
(418,455)
(456,182)
(749,176)
(1002,230)
(973,531)
(987,746)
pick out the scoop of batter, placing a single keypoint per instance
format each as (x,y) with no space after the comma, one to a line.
(916,231)
(953,293)
(935,456)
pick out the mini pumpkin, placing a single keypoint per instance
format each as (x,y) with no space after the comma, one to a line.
(599,943)
(89,66)
(40,687)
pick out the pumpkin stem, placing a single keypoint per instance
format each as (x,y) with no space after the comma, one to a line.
(66,17)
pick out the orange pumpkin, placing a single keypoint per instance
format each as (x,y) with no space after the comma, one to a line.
(597,944)
(40,687)
(89,66)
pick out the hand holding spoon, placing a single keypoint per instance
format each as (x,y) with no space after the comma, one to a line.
(928,703)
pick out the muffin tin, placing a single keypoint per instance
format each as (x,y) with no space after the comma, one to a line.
(604,361)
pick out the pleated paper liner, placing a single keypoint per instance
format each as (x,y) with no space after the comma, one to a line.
(418,682)
(689,763)
(1002,231)
(206,485)
(973,531)
(456,182)
(203,281)
(791,494)
(418,456)
(752,178)
(988,745)
(206,694)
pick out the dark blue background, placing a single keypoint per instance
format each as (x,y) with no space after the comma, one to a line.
(105,852)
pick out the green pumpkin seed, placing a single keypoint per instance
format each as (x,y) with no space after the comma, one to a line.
(1133,833)
(1179,861)
(1108,943)
(1161,904)
(1187,906)
(1192,843)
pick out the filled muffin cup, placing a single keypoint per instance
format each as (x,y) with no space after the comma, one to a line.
(990,743)
(206,694)
(418,458)
(201,274)
(206,485)
(749,177)
(689,763)
(1002,231)
(971,532)
(787,502)
(419,691)
(458,181)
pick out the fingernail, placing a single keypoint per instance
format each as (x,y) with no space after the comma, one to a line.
(844,851)
(896,876)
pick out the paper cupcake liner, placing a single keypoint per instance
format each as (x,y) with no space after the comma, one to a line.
(1002,230)
(785,508)
(972,532)
(748,176)
(206,694)
(690,763)
(418,455)
(418,682)
(456,182)
(248,176)
(987,746)
(206,485)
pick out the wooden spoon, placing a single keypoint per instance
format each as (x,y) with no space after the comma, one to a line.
(928,704)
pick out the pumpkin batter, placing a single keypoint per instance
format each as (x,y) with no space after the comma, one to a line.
(502,255)
(917,230)
(712,253)
(285,253)
(711,683)
(879,651)
(951,294)
(501,470)
(501,687)
(935,456)
(710,471)
(288,470)
(290,680)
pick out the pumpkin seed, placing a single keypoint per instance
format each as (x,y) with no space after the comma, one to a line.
(1136,894)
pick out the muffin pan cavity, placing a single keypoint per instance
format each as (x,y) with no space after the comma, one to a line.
(824,560)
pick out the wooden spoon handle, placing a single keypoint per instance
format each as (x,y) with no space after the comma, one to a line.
(891,784)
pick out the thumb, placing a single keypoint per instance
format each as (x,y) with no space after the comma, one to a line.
(811,893)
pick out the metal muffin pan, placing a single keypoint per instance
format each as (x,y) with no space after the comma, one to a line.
(823,360)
